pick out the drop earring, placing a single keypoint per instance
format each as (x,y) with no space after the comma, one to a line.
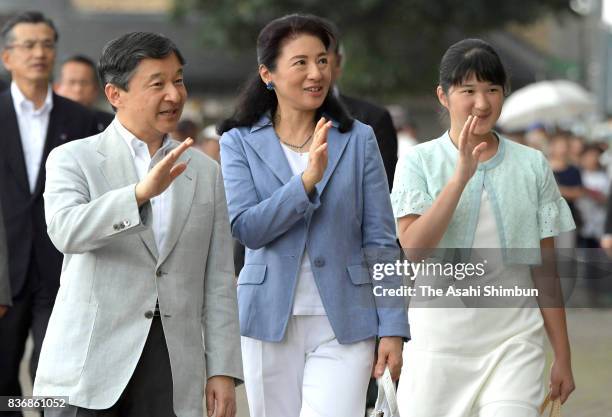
(270,85)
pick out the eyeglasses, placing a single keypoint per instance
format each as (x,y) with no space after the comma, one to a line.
(30,45)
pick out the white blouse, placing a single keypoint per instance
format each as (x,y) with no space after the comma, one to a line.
(307,300)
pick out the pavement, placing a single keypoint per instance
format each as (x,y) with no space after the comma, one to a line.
(591,339)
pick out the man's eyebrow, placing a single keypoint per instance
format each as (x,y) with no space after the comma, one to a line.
(160,75)
(154,76)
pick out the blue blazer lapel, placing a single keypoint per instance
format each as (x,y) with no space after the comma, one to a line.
(336,144)
(265,143)
(267,146)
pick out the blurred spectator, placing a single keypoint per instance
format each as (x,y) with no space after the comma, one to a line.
(537,137)
(406,129)
(592,208)
(606,159)
(186,128)
(516,137)
(209,142)
(592,204)
(78,82)
(5,284)
(606,240)
(34,121)
(570,183)
(576,148)
(369,113)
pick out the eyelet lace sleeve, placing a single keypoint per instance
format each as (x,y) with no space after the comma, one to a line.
(554,215)
(409,195)
(554,218)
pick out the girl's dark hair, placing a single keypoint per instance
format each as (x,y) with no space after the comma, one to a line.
(472,56)
(255,99)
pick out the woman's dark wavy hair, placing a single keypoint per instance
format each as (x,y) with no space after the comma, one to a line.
(255,99)
(472,56)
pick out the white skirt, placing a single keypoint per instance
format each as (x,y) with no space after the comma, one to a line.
(467,362)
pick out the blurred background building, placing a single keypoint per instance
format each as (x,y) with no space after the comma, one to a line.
(568,40)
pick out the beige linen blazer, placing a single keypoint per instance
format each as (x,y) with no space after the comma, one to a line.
(113,275)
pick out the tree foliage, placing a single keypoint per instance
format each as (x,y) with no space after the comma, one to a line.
(389,44)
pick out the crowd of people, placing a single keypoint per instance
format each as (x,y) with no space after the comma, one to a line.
(117,234)
(582,171)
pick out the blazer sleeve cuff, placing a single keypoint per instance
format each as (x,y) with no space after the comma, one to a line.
(305,203)
(235,374)
(395,326)
(132,216)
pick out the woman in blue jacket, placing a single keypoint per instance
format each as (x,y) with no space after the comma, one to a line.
(472,191)
(306,195)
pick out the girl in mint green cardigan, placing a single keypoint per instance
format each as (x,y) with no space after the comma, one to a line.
(472,188)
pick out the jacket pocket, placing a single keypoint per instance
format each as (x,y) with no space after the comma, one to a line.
(359,274)
(67,342)
(252,274)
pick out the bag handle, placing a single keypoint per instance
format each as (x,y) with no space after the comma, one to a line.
(387,398)
(555,406)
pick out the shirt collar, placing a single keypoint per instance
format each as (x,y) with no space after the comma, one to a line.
(137,146)
(22,103)
(266,120)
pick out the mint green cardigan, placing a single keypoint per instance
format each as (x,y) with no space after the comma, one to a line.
(524,196)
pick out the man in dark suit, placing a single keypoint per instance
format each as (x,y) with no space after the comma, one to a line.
(369,113)
(34,121)
(5,284)
(379,118)
(78,81)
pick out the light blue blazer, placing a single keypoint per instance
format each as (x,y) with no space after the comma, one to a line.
(346,225)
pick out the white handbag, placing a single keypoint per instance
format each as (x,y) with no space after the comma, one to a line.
(386,402)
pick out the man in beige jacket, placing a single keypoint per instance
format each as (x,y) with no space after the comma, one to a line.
(147,302)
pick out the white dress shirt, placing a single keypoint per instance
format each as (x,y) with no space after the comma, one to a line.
(33,124)
(143,162)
